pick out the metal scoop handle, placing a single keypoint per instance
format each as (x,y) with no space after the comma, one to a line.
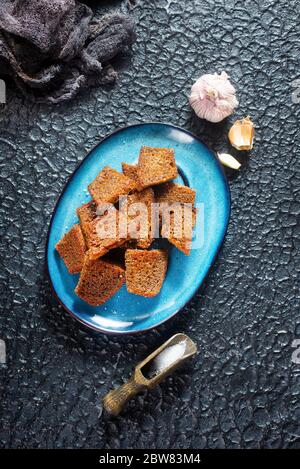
(115,400)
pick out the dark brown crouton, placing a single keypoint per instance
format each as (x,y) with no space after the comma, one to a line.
(145,271)
(99,280)
(172,193)
(143,230)
(130,171)
(156,165)
(109,185)
(72,248)
(86,213)
(106,232)
(177,226)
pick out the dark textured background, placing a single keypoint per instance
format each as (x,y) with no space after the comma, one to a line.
(243,389)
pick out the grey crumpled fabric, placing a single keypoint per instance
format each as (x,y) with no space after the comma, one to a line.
(53,48)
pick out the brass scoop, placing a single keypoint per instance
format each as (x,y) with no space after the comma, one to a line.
(151,371)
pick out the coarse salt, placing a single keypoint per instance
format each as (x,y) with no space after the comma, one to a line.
(168,356)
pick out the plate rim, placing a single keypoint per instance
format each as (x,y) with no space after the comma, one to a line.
(147,329)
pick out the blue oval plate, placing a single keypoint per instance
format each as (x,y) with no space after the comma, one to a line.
(198,167)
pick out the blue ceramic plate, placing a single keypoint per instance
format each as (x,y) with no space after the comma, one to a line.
(199,168)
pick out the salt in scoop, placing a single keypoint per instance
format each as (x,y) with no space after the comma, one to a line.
(151,371)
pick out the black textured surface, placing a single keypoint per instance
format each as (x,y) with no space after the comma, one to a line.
(243,389)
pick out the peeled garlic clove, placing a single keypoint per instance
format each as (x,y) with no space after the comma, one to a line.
(229,161)
(241,134)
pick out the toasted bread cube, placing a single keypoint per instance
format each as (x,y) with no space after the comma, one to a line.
(131,171)
(99,280)
(144,216)
(156,165)
(109,185)
(172,193)
(105,233)
(86,213)
(178,227)
(72,248)
(145,271)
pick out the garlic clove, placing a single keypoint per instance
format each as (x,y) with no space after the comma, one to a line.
(229,161)
(241,134)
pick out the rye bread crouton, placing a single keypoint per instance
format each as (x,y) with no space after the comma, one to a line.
(178,226)
(72,248)
(99,280)
(145,271)
(155,166)
(144,229)
(130,171)
(106,232)
(171,192)
(86,213)
(109,185)
(177,229)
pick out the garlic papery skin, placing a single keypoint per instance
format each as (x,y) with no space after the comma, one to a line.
(229,161)
(213,97)
(241,134)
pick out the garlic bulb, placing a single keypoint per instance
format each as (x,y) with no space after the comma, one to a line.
(213,97)
(229,161)
(241,134)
